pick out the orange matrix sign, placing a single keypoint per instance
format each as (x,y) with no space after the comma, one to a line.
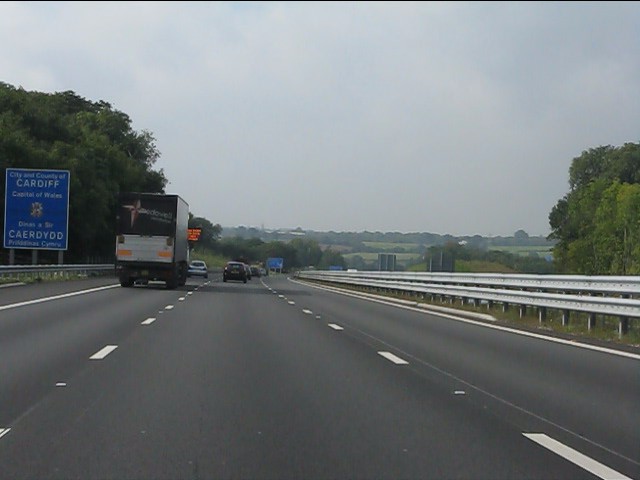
(194,234)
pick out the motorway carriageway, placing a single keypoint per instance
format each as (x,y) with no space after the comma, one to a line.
(280,379)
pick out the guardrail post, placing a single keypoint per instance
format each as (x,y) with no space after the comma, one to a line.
(591,321)
(542,314)
(565,318)
(489,304)
(523,310)
(623,326)
(505,307)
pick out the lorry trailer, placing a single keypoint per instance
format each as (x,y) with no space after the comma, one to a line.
(151,239)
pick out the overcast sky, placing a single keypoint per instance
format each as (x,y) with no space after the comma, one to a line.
(458,118)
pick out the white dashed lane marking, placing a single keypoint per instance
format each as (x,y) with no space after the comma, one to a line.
(308,312)
(169,307)
(4,431)
(103,353)
(149,321)
(392,358)
(568,453)
(335,327)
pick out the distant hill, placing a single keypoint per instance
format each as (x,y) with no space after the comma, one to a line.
(390,242)
(517,253)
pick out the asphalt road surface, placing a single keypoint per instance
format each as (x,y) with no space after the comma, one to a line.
(276,379)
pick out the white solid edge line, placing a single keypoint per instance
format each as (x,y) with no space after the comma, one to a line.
(587,463)
(573,343)
(148,321)
(103,353)
(4,431)
(335,327)
(393,358)
(56,297)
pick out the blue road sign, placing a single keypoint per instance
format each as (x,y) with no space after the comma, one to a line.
(275,263)
(36,209)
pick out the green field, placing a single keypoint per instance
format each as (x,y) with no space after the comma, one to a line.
(524,251)
(368,257)
(470,266)
(390,246)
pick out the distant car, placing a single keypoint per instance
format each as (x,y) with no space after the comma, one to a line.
(198,268)
(264,272)
(255,271)
(235,271)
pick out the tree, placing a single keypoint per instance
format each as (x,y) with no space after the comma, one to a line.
(596,222)
(308,252)
(521,236)
(331,258)
(98,146)
(280,250)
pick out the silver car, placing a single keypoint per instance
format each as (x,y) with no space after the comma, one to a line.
(198,268)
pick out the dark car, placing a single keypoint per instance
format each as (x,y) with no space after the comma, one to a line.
(198,268)
(234,271)
(255,271)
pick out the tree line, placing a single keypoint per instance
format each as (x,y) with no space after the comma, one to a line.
(105,155)
(595,227)
(95,143)
(297,253)
(597,223)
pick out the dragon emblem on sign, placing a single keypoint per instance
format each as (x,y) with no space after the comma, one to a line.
(37,209)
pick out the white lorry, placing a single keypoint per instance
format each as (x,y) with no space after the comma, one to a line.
(151,239)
